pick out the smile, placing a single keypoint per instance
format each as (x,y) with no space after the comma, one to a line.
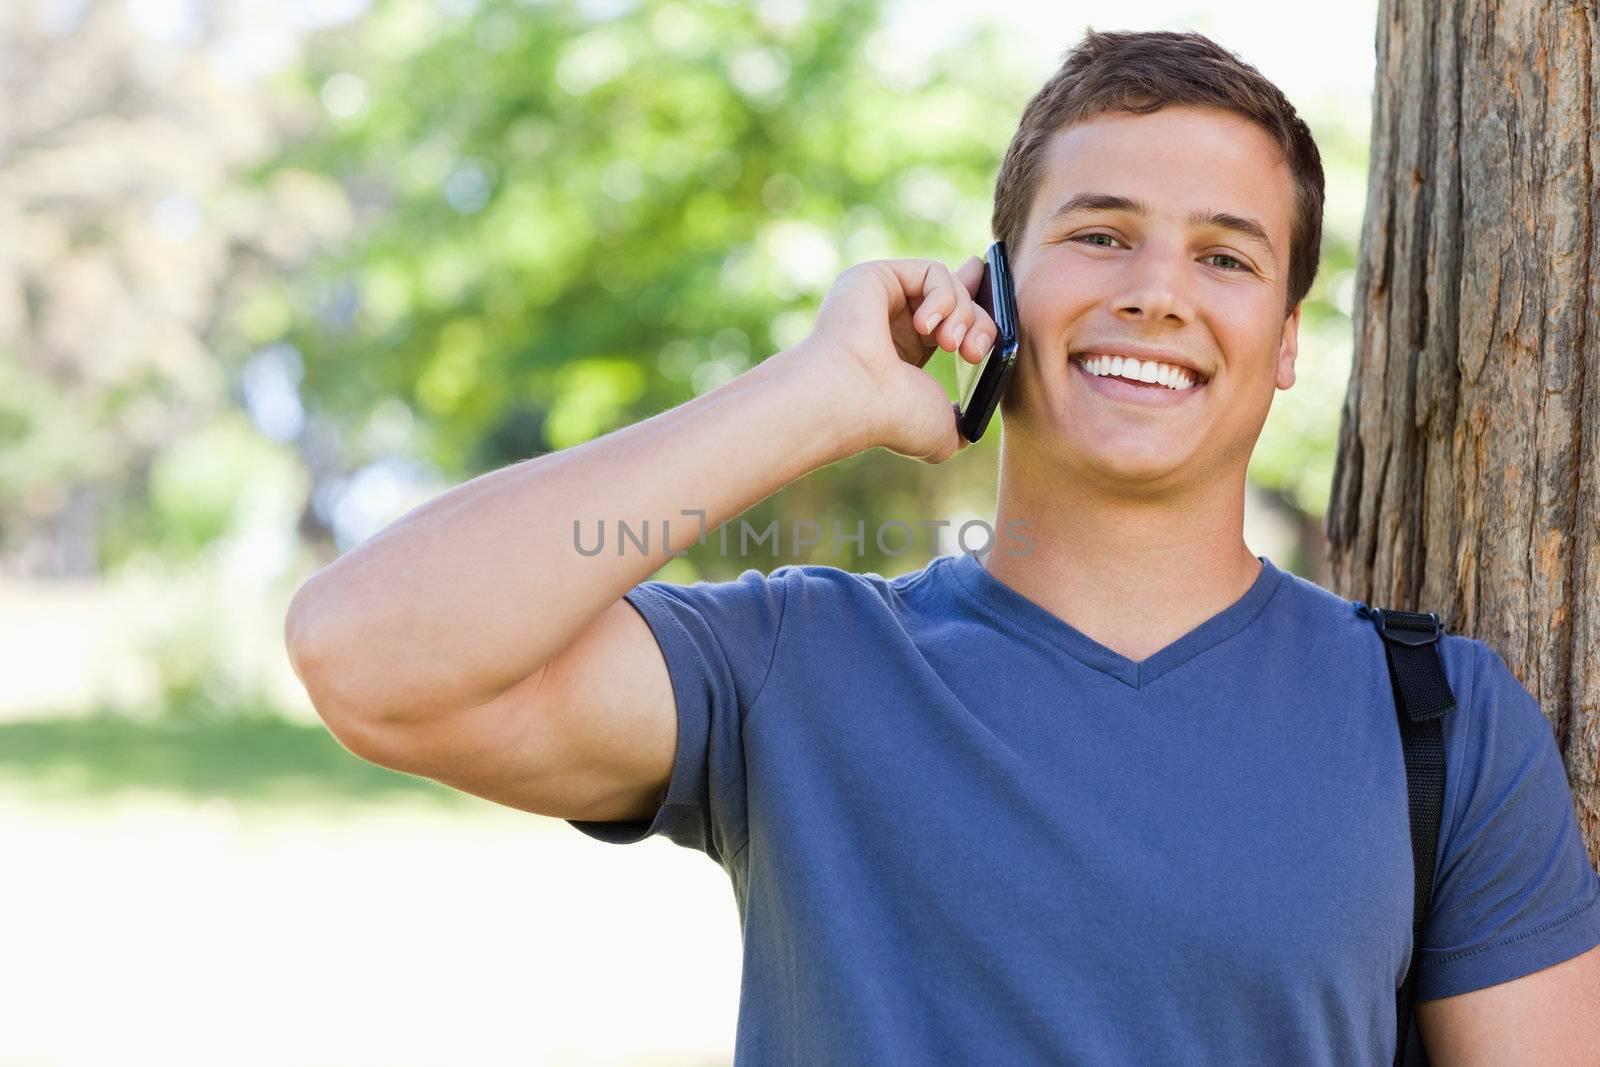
(1148,394)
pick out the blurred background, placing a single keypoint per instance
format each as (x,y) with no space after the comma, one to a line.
(272,272)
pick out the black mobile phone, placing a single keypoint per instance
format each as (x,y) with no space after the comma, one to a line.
(981,392)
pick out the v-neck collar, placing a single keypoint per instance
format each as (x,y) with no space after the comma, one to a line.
(1016,611)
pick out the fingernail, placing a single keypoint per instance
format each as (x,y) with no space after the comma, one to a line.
(961,331)
(933,322)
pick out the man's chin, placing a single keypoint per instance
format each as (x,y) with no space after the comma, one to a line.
(1125,470)
(1058,456)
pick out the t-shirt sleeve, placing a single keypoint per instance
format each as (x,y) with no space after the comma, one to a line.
(1515,891)
(719,640)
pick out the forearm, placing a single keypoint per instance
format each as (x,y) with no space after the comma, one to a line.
(471,592)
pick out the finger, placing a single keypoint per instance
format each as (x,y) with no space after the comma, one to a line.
(979,339)
(952,332)
(929,289)
(971,274)
(969,277)
(958,319)
(980,335)
(952,300)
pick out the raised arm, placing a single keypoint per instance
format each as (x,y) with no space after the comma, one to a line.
(472,631)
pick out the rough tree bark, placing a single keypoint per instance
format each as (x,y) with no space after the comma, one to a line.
(1466,480)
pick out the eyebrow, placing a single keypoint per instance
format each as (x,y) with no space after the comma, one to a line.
(1247,228)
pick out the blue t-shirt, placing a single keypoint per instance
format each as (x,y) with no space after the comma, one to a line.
(959,830)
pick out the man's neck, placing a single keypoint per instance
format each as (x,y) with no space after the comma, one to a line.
(1132,574)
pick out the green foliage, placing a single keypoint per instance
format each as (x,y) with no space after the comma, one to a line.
(197,482)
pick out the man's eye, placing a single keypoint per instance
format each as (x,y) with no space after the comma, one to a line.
(1231,263)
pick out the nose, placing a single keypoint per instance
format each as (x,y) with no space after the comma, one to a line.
(1155,288)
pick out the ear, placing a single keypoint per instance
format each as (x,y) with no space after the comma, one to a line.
(1288,348)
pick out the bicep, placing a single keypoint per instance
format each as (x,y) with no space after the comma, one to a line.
(1549,1017)
(591,735)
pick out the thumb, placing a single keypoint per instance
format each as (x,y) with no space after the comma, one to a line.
(961,441)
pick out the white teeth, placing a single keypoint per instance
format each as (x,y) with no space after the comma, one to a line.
(1166,374)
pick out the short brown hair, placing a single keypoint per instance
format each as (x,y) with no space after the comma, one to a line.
(1146,71)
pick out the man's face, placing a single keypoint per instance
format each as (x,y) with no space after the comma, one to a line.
(1166,271)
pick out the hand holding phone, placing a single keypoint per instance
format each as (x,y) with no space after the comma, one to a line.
(879,324)
(981,394)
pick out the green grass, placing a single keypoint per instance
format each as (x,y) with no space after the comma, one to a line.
(242,757)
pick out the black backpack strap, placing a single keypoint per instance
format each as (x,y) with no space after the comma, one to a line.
(1422,695)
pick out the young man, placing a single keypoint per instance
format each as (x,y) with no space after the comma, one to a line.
(1135,796)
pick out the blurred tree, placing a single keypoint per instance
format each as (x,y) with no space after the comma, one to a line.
(1466,468)
(128,234)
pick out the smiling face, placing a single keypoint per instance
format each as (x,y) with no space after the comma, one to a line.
(1174,243)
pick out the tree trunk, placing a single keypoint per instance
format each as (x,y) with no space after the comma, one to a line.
(1466,477)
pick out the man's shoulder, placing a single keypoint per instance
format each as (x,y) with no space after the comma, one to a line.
(797,592)
(820,583)
(1472,667)
(1324,617)
(1323,608)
